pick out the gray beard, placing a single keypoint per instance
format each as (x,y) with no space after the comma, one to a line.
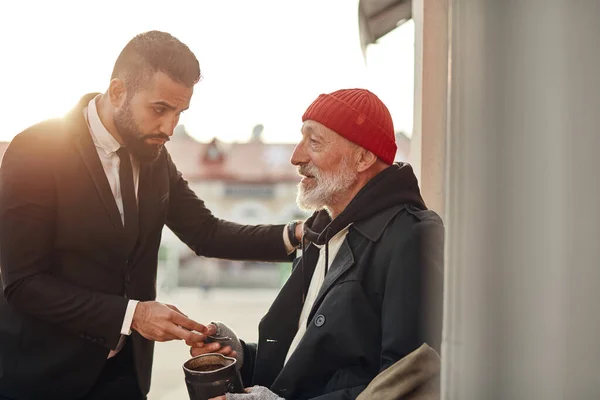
(326,189)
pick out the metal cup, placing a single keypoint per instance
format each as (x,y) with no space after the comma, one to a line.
(212,374)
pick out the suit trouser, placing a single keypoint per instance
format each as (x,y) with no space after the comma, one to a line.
(118,379)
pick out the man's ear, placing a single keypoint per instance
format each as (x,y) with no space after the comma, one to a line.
(117,93)
(366,160)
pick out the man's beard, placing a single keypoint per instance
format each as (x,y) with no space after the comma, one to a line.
(134,140)
(325,188)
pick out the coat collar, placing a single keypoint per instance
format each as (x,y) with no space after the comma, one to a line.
(372,228)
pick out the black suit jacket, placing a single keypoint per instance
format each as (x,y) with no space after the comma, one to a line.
(66,268)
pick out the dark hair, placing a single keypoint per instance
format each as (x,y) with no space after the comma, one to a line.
(154,51)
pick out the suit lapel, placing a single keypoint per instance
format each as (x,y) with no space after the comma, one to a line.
(94,166)
(89,155)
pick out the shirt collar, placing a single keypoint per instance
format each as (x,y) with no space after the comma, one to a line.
(100,135)
(373,227)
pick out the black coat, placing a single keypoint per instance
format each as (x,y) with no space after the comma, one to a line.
(66,267)
(381,299)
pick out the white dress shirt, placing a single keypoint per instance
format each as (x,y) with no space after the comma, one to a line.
(315,286)
(107,146)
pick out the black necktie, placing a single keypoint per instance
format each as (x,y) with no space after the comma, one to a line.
(130,209)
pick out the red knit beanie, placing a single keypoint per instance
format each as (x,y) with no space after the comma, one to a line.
(359,116)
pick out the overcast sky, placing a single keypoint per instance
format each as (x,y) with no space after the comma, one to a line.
(262,61)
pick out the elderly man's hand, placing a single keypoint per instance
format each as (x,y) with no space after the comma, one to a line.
(199,347)
(253,393)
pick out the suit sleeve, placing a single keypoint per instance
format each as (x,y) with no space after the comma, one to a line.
(27,223)
(209,236)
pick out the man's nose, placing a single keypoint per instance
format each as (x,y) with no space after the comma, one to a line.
(299,156)
(167,126)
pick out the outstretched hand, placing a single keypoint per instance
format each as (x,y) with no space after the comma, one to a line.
(163,322)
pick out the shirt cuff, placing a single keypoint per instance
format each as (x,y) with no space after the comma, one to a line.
(126,328)
(288,246)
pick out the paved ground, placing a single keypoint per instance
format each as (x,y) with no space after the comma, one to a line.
(241,309)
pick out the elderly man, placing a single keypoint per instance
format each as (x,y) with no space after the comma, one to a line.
(367,289)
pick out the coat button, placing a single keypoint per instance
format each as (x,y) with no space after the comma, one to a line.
(320,320)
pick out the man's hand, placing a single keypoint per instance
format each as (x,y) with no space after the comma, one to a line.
(201,347)
(163,322)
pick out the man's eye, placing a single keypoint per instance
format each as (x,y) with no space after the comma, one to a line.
(159,110)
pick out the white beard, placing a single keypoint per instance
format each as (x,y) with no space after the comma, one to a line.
(324,187)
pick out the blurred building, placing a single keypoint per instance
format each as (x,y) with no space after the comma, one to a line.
(249,183)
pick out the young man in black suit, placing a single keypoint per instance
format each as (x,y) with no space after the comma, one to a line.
(83,202)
